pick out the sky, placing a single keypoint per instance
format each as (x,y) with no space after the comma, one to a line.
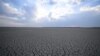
(49,13)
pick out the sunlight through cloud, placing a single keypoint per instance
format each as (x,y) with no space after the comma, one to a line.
(56,11)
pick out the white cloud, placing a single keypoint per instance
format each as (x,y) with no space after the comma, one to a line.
(11,10)
(7,17)
(68,1)
(58,12)
(41,12)
(59,9)
(77,2)
(88,8)
(6,21)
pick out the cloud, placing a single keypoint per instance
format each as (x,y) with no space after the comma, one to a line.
(53,10)
(35,13)
(59,12)
(11,10)
(41,12)
(61,8)
(88,8)
(6,21)
(68,1)
(8,18)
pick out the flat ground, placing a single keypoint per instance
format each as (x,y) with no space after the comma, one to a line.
(49,41)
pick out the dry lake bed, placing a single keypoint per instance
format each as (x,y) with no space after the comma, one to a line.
(64,41)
